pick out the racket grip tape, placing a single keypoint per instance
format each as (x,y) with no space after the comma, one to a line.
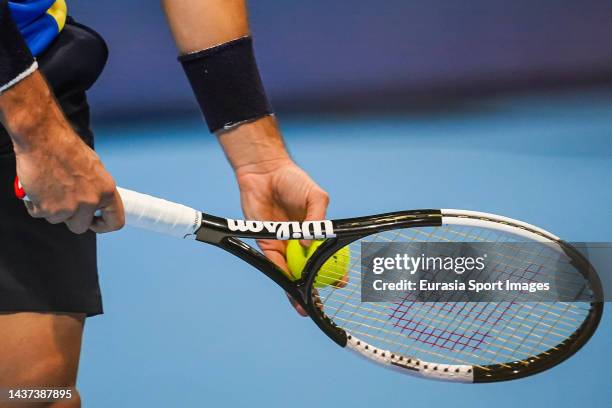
(150,213)
(159,215)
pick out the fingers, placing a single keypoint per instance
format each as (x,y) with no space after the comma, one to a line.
(80,222)
(67,183)
(77,219)
(317,299)
(317,204)
(112,217)
(275,252)
(82,218)
(342,282)
(296,305)
(318,201)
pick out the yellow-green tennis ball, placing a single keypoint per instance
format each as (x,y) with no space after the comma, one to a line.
(296,258)
(332,270)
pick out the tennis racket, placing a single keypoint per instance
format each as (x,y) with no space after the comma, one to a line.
(471,342)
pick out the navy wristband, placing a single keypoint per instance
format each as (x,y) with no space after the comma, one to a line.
(16,61)
(226,83)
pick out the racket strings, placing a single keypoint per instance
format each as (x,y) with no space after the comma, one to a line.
(507,266)
(447,330)
(518,254)
(516,260)
(445,337)
(395,337)
(443,334)
(380,316)
(355,283)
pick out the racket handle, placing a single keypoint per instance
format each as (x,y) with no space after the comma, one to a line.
(155,214)
(148,212)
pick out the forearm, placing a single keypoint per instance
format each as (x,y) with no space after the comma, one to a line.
(200,24)
(29,112)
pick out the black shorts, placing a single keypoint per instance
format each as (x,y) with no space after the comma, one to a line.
(45,267)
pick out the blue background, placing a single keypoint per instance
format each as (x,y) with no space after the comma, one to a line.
(384,115)
(321,53)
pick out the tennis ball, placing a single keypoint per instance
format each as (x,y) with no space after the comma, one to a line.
(332,270)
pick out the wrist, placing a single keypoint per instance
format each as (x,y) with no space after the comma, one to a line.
(44,137)
(255,146)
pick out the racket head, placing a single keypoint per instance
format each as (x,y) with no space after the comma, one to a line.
(438,341)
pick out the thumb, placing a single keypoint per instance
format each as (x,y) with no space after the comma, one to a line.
(112,217)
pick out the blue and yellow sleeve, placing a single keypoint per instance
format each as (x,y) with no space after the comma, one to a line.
(39,21)
(16,61)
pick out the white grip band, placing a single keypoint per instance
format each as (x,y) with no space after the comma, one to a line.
(154,214)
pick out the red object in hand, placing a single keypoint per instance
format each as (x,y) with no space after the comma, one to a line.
(19,191)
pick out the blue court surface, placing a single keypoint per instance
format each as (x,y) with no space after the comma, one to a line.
(187,325)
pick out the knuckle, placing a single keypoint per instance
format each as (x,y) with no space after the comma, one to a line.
(68,209)
(46,211)
(108,191)
(35,212)
(109,182)
(59,209)
(53,220)
(326,198)
(323,196)
(90,202)
(76,227)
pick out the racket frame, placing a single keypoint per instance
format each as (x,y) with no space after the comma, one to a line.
(214,230)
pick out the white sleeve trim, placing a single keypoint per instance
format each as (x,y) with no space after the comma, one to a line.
(20,77)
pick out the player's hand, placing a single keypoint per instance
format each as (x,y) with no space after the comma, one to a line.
(280,190)
(66,182)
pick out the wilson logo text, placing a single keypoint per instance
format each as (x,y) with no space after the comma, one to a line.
(285,229)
